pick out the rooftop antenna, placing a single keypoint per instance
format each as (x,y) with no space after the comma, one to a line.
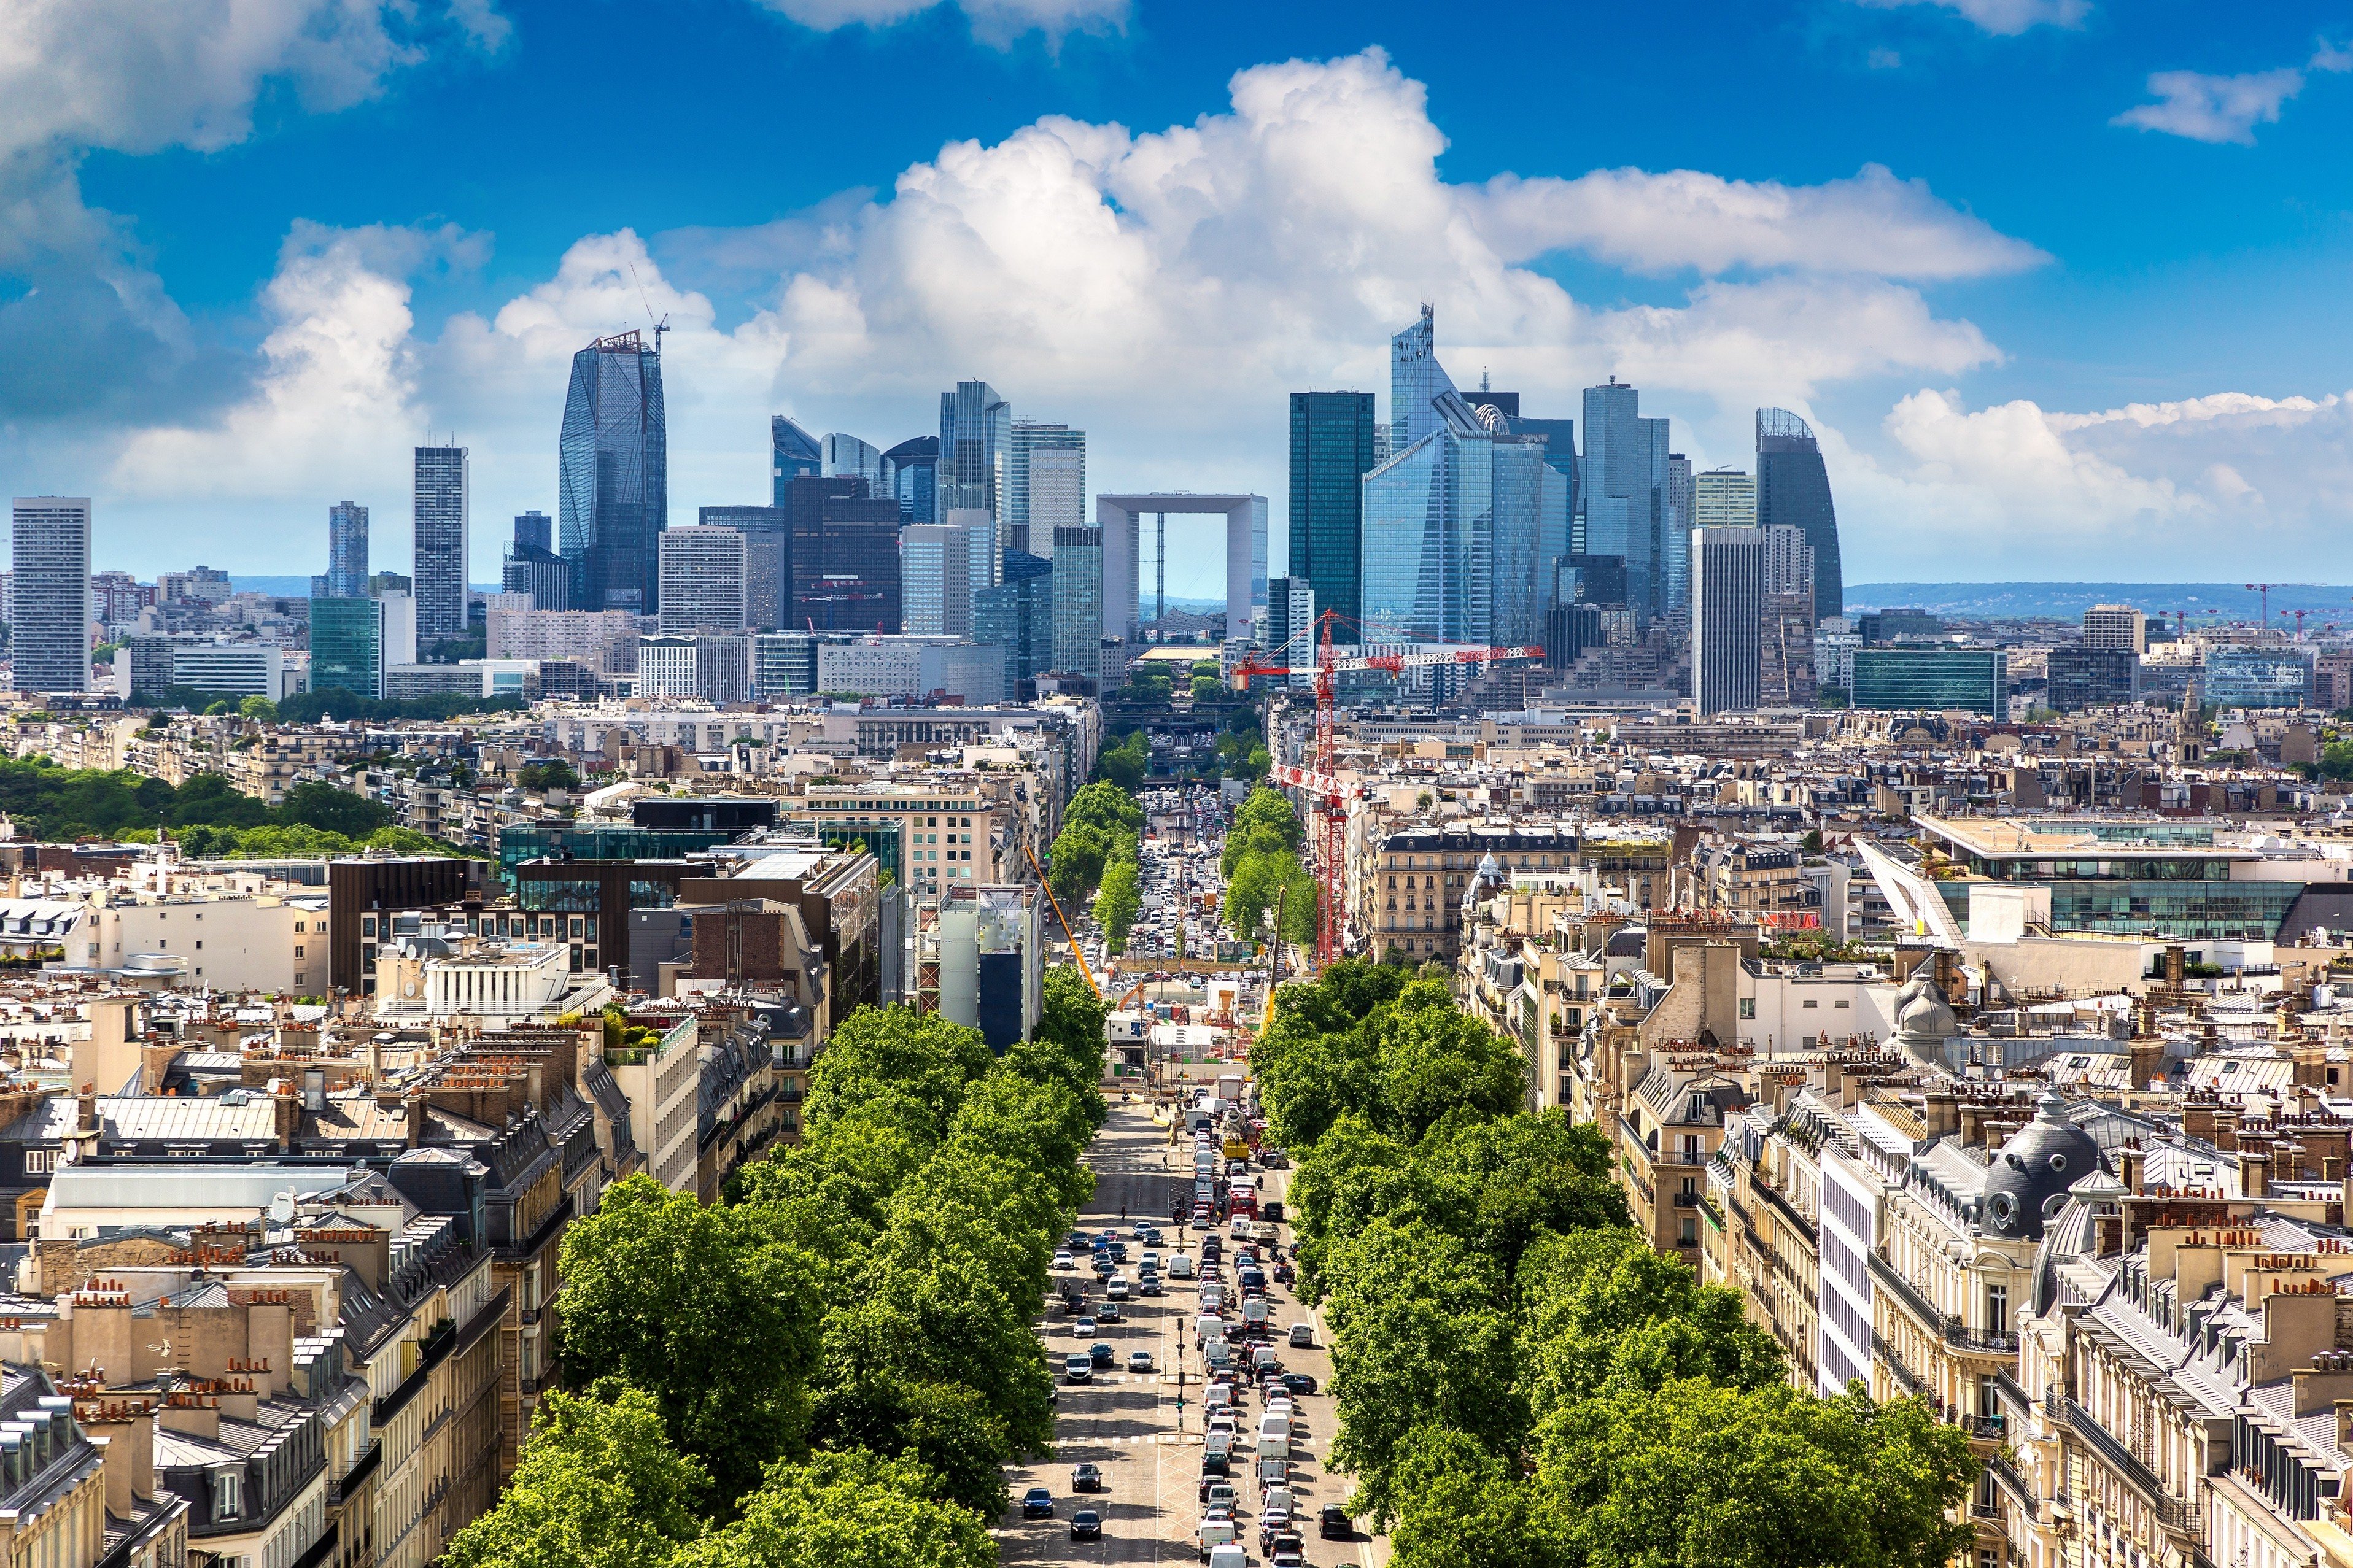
(660,327)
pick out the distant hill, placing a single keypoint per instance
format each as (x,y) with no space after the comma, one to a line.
(2067,601)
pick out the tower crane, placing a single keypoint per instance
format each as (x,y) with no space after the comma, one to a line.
(2264,592)
(1327,831)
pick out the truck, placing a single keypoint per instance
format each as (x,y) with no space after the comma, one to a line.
(1230,1087)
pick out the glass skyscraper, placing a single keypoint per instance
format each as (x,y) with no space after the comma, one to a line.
(439,574)
(347,550)
(1793,491)
(975,450)
(910,475)
(531,567)
(841,454)
(1674,533)
(1018,616)
(347,646)
(613,475)
(793,454)
(1045,485)
(1622,483)
(1079,601)
(1331,441)
(767,558)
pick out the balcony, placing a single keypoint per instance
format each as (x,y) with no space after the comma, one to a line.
(1992,1427)
(1686,1200)
(2005,1474)
(2172,1512)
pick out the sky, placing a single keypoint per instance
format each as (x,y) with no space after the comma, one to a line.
(2061,283)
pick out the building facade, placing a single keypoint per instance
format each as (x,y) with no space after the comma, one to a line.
(1045,485)
(50,577)
(440,575)
(1727,566)
(703,580)
(1793,491)
(612,462)
(1332,440)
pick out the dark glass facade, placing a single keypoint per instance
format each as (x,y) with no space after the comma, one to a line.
(347,550)
(2084,677)
(1793,491)
(1018,615)
(613,475)
(911,471)
(844,559)
(794,454)
(1936,680)
(347,647)
(1330,452)
(440,544)
(532,567)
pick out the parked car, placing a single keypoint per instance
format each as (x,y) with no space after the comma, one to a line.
(1037,1503)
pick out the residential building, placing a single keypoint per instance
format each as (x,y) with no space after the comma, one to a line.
(233,671)
(703,580)
(604,641)
(767,533)
(440,544)
(914,667)
(1330,452)
(347,550)
(49,634)
(612,462)
(1793,491)
(1935,679)
(1045,485)
(1728,569)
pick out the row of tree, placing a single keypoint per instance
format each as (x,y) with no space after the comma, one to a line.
(1096,854)
(834,1365)
(1520,1379)
(1262,869)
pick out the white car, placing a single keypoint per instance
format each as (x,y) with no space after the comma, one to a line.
(1064,1261)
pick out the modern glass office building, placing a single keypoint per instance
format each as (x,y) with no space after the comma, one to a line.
(347,646)
(2128,877)
(439,574)
(1793,491)
(1622,484)
(840,454)
(1331,441)
(975,450)
(1933,679)
(1045,485)
(793,454)
(784,664)
(347,550)
(613,475)
(1079,601)
(1018,616)
(910,475)
(2240,677)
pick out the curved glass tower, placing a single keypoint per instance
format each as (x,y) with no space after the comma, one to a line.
(1793,491)
(613,475)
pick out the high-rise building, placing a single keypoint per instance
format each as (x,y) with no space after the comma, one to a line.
(793,455)
(2115,627)
(1018,616)
(1331,451)
(2084,676)
(354,641)
(1291,633)
(1786,639)
(1622,483)
(1560,514)
(440,544)
(1727,595)
(347,550)
(702,573)
(1933,679)
(841,456)
(1674,532)
(845,558)
(911,474)
(1079,601)
(935,576)
(975,450)
(1793,490)
(1045,485)
(613,491)
(1723,498)
(50,629)
(532,567)
(767,533)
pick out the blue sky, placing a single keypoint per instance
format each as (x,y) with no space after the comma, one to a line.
(2060,281)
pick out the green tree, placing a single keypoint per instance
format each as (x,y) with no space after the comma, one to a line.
(1126,764)
(704,1309)
(1117,903)
(260,709)
(895,1051)
(553,774)
(850,1509)
(946,1427)
(597,1485)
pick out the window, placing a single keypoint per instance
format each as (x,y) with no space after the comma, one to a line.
(40,1161)
(1748,1007)
(1998,1308)
(298,949)
(228,1490)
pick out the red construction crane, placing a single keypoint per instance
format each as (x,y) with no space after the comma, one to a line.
(1327,830)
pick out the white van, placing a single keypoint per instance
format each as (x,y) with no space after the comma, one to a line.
(1208,1328)
(1213,1295)
(1218,1535)
(1275,1424)
(1217,1444)
(1273,1446)
(1273,1472)
(1229,1556)
(1253,1310)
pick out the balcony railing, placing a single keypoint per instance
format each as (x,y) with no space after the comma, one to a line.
(2006,1475)
(1686,1200)
(1981,1426)
(2172,1512)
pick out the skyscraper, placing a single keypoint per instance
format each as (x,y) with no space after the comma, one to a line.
(910,475)
(531,567)
(935,576)
(49,575)
(1045,485)
(613,478)
(1079,601)
(1291,633)
(839,454)
(1674,530)
(1793,490)
(1560,456)
(975,447)
(439,573)
(1623,482)
(1723,498)
(2115,627)
(1331,441)
(347,550)
(1727,611)
(793,455)
(767,533)
(701,580)
(844,558)
(1786,636)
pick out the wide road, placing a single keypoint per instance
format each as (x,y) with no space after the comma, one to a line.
(1127,1424)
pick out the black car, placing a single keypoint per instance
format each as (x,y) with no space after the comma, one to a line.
(1299,1382)
(1109,1312)
(1216,1464)
(1086,1478)
(1334,1523)
(1272,1210)
(1086,1525)
(1037,1503)
(1101,1354)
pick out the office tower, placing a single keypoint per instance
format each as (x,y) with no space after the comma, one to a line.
(935,576)
(347,550)
(1723,498)
(1786,638)
(767,533)
(440,544)
(1726,610)
(844,558)
(2092,676)
(1079,602)
(1793,491)
(533,530)
(532,567)
(1570,629)
(1623,482)
(976,447)
(1932,679)
(910,475)
(1045,485)
(2115,627)
(1292,632)
(702,574)
(1331,441)
(1561,499)
(784,664)
(354,641)
(51,578)
(613,489)
(847,456)
(793,455)
(978,534)
(1591,580)
(1454,520)
(1674,530)
(1017,615)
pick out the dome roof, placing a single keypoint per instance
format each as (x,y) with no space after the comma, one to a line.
(2028,1181)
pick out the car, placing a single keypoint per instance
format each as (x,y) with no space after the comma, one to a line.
(1084,1328)
(1105,1266)
(1215,1493)
(1181,1267)
(1086,1525)
(1118,1250)
(1100,1353)
(1217,1462)
(1253,1280)
(1150,1286)
(1037,1503)
(1064,1261)
(1139,1361)
(1086,1478)
(1078,1369)
(1332,1524)
(1303,1336)
(1109,1312)
(1272,1210)
(1116,1289)
(1299,1383)
(1073,1240)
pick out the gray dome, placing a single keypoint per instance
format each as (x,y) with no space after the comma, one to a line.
(2027,1183)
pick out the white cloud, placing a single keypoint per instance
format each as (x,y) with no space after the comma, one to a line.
(997,22)
(2006,18)
(2225,108)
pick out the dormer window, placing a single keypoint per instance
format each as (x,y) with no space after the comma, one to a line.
(228,1493)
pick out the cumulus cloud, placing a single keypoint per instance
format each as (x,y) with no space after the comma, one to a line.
(2005,18)
(2225,108)
(997,22)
